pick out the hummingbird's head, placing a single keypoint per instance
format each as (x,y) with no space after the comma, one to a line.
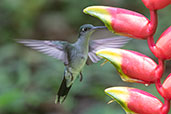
(88,29)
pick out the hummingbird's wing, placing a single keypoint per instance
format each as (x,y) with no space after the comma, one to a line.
(56,49)
(113,42)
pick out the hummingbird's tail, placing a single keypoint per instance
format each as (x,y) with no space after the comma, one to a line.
(62,92)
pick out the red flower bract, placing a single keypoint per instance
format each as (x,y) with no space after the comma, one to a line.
(156,4)
(166,87)
(144,103)
(138,66)
(163,45)
(136,24)
(132,66)
(122,21)
(135,101)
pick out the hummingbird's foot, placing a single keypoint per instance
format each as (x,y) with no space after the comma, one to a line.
(105,61)
(69,74)
(81,76)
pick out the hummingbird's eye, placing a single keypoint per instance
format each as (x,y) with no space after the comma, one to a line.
(84,29)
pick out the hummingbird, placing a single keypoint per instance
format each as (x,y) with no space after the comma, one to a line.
(75,55)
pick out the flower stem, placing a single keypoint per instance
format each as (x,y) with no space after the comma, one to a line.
(151,44)
(153,26)
(160,69)
(153,21)
(159,72)
(159,87)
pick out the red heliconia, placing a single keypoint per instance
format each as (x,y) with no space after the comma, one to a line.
(156,4)
(132,66)
(122,21)
(163,45)
(135,101)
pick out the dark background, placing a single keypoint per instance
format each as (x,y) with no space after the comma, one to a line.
(29,80)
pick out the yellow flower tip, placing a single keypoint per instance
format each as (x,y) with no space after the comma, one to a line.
(102,13)
(93,8)
(118,93)
(116,90)
(106,51)
(110,54)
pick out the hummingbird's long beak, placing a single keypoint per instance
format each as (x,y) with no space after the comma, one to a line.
(100,27)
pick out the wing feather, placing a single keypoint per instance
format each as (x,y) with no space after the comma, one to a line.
(113,42)
(56,49)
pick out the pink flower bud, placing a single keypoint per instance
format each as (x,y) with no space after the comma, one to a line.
(156,4)
(135,101)
(163,45)
(132,66)
(122,21)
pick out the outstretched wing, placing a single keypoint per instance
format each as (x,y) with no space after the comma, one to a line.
(113,42)
(56,49)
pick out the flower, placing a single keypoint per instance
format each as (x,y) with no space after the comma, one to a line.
(122,21)
(132,66)
(135,101)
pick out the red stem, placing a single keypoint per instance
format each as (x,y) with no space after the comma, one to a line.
(159,87)
(160,69)
(158,73)
(153,26)
(153,21)
(152,45)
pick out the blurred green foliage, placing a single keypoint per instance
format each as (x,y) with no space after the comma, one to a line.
(29,80)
